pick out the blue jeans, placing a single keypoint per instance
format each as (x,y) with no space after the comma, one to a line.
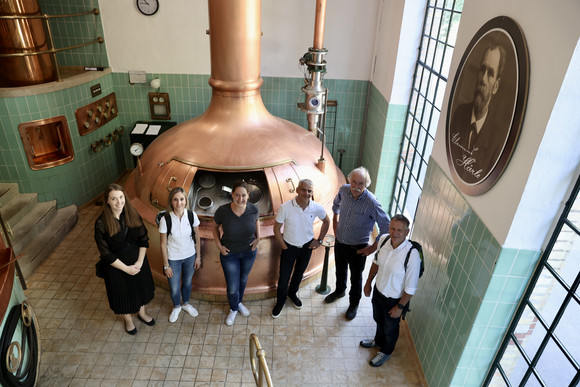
(182,274)
(236,268)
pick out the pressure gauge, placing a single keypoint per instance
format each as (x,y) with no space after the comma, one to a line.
(136,149)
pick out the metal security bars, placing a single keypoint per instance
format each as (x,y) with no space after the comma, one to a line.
(429,81)
(541,346)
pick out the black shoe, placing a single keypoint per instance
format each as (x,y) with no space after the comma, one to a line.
(150,322)
(132,332)
(351,312)
(296,301)
(370,343)
(277,310)
(333,297)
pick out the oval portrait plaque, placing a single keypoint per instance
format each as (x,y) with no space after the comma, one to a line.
(487,105)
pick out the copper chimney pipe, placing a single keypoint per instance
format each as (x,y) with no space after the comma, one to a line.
(319,25)
(234,31)
(235,136)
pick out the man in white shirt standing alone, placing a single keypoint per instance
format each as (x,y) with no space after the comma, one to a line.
(394,287)
(297,216)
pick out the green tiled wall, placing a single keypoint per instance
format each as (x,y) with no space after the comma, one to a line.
(351,98)
(382,144)
(374,134)
(78,181)
(470,288)
(76,30)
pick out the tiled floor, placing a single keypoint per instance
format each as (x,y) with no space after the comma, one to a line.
(84,344)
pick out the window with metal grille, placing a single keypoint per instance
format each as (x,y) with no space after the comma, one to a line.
(541,347)
(429,81)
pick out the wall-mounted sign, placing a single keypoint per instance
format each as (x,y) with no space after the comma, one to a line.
(487,105)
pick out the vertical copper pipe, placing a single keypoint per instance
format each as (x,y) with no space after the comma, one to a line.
(235,30)
(319,24)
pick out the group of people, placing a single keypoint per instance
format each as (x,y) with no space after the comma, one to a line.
(122,241)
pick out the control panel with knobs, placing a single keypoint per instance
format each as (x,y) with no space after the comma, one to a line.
(96,114)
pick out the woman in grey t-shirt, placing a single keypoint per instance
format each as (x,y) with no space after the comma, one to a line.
(236,233)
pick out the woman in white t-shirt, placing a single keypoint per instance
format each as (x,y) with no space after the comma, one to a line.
(178,249)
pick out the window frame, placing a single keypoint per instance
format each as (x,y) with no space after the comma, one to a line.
(424,103)
(526,302)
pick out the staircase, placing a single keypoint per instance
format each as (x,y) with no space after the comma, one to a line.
(34,229)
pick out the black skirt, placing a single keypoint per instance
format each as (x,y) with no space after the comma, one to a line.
(128,293)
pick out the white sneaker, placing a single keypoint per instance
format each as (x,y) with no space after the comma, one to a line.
(243,310)
(231,317)
(174,314)
(191,310)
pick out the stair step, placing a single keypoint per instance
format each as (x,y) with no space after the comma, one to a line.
(18,207)
(46,241)
(33,223)
(7,192)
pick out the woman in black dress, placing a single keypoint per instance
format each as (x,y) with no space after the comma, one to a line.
(122,240)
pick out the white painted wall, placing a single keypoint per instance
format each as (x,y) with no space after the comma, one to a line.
(515,219)
(556,167)
(398,39)
(171,41)
(174,41)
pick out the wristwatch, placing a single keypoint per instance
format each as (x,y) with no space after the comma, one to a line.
(319,240)
(401,306)
(166,267)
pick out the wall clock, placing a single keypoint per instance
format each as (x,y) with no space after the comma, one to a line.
(148,7)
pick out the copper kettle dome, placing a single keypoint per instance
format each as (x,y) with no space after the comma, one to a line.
(235,137)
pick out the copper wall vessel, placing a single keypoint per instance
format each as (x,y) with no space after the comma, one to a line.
(19,36)
(236,134)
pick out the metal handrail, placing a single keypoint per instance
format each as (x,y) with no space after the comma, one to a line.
(52,51)
(260,370)
(95,11)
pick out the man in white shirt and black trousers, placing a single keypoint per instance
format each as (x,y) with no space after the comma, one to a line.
(297,242)
(393,289)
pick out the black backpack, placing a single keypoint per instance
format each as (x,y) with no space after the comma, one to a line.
(415,245)
(167,216)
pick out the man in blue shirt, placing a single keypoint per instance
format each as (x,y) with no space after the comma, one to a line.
(358,210)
